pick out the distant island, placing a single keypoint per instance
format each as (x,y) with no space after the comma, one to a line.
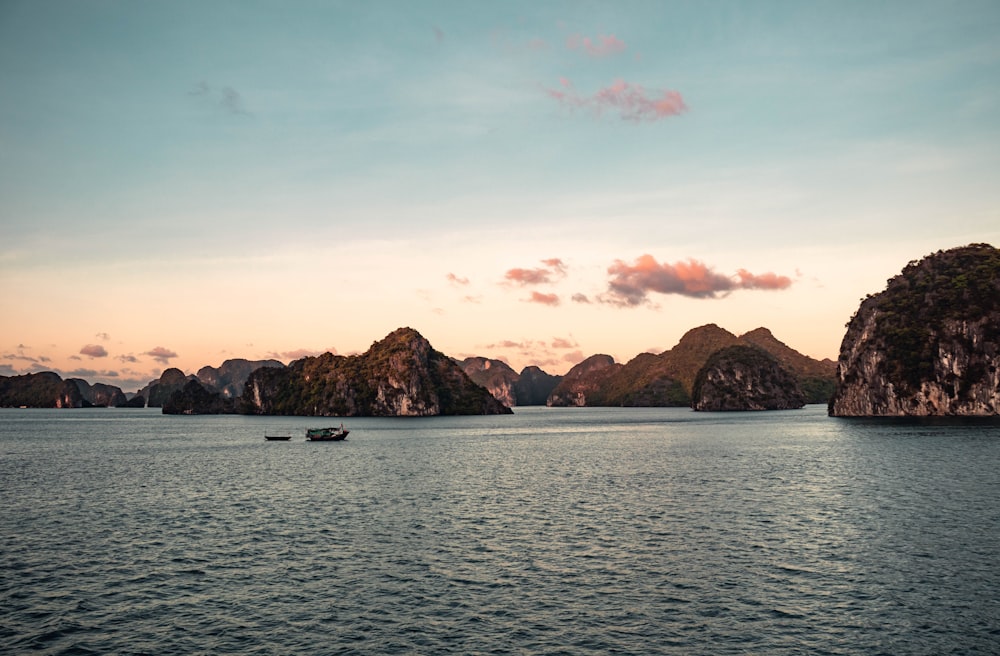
(928,345)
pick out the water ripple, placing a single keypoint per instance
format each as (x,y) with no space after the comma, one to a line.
(553,531)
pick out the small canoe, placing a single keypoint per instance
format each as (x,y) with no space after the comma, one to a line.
(277,438)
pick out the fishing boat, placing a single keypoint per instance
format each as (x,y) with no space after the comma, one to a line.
(277,438)
(327,434)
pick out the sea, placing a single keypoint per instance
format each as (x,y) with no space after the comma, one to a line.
(549,531)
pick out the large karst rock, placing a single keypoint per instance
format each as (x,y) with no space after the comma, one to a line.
(196,398)
(401,375)
(159,391)
(100,394)
(47,389)
(929,345)
(745,378)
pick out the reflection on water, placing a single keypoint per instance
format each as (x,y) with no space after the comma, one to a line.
(553,530)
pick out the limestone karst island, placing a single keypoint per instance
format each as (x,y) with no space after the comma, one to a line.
(927,345)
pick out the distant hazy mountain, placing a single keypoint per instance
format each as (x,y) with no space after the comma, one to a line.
(585,380)
(531,387)
(667,379)
(228,379)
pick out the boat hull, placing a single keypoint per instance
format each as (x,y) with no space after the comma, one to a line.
(326,434)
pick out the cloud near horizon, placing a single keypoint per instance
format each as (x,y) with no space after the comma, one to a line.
(161,354)
(631,101)
(94,351)
(630,284)
(298,354)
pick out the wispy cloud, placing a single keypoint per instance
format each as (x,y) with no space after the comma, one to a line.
(630,284)
(456,280)
(554,269)
(600,46)
(298,354)
(94,351)
(225,98)
(632,102)
(161,354)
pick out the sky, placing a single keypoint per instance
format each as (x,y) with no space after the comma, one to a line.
(184,182)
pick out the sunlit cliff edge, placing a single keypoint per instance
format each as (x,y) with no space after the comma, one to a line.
(929,344)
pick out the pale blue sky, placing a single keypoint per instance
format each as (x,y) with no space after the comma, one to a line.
(200,176)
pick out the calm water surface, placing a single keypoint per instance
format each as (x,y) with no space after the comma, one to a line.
(553,531)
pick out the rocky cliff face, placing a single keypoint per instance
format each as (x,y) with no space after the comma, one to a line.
(582,380)
(195,398)
(745,378)
(159,391)
(530,387)
(401,375)
(228,379)
(494,375)
(929,345)
(100,394)
(534,385)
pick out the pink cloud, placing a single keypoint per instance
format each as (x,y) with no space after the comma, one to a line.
(556,264)
(544,299)
(630,284)
(580,298)
(452,278)
(563,343)
(94,351)
(631,101)
(601,46)
(528,276)
(554,267)
(298,354)
(763,281)
(161,354)
(508,343)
